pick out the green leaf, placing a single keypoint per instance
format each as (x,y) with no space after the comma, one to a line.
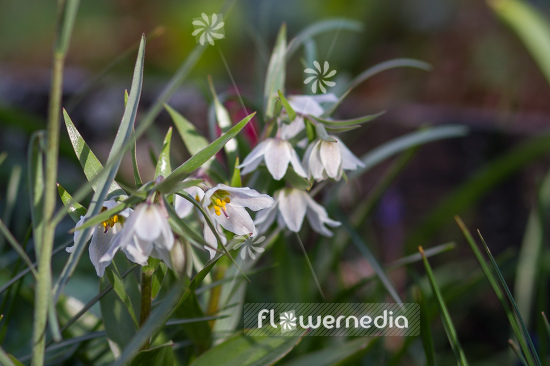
(8,360)
(88,161)
(119,324)
(118,285)
(161,355)
(106,178)
(297,181)
(197,160)
(275,77)
(10,200)
(531,27)
(236,180)
(425,329)
(137,177)
(288,108)
(445,316)
(75,209)
(163,163)
(336,24)
(193,140)
(341,354)
(348,122)
(158,279)
(248,351)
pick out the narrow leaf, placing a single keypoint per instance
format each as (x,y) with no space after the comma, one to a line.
(163,163)
(288,108)
(275,77)
(75,209)
(118,285)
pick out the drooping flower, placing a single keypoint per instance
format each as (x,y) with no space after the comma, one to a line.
(290,208)
(304,105)
(146,233)
(328,159)
(277,154)
(102,236)
(226,206)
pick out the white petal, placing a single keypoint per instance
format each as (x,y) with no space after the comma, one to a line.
(314,87)
(318,217)
(277,157)
(329,83)
(265,218)
(210,40)
(295,162)
(305,104)
(216,35)
(210,238)
(322,87)
(166,240)
(330,157)
(202,38)
(349,161)
(246,197)
(163,254)
(292,206)
(148,223)
(252,166)
(138,250)
(288,131)
(100,245)
(315,166)
(256,153)
(237,221)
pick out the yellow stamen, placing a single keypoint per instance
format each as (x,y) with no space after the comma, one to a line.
(227,199)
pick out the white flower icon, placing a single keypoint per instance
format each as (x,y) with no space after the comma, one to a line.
(208,29)
(320,77)
(251,246)
(287,321)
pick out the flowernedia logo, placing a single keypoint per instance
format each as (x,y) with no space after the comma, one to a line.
(325,319)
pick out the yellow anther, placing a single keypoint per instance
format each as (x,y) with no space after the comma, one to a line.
(218,202)
(227,200)
(197,198)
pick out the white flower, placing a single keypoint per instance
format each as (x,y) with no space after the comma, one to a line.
(209,29)
(250,246)
(145,233)
(290,208)
(319,77)
(304,105)
(182,206)
(226,206)
(277,154)
(328,159)
(102,236)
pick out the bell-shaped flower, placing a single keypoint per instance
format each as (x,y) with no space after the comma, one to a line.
(277,154)
(290,208)
(328,158)
(304,105)
(226,206)
(146,233)
(102,236)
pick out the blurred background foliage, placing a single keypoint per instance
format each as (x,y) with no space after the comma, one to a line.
(482,77)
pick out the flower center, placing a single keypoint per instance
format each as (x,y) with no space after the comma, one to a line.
(112,221)
(219,200)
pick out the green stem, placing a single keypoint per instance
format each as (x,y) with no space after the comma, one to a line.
(146,298)
(44,281)
(44,240)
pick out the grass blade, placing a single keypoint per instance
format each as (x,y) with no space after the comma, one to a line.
(75,209)
(11,198)
(445,316)
(17,247)
(512,301)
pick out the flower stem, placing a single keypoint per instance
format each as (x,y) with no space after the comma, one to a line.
(146,297)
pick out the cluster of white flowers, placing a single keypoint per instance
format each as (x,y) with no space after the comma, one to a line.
(326,157)
(145,231)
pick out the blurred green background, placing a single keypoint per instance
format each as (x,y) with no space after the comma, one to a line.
(482,77)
